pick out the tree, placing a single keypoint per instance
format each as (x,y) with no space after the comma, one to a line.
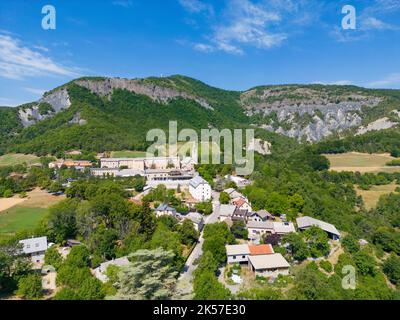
(188,233)
(67,294)
(297,246)
(207,287)
(239,229)
(149,276)
(53,257)
(366,264)
(350,243)
(61,221)
(224,198)
(79,257)
(30,287)
(317,241)
(204,207)
(391,267)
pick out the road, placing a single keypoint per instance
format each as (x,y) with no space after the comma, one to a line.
(185,280)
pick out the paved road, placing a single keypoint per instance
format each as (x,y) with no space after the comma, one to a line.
(185,280)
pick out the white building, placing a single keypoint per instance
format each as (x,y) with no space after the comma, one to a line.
(165,210)
(269,265)
(35,248)
(197,220)
(141,163)
(306,222)
(237,253)
(200,189)
(226,211)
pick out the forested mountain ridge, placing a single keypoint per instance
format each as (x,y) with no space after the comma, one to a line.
(99,114)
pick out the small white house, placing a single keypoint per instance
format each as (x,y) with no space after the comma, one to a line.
(226,211)
(261,215)
(165,210)
(200,189)
(35,248)
(237,253)
(197,220)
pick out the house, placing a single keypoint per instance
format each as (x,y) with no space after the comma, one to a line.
(240,253)
(233,194)
(226,211)
(242,203)
(239,181)
(35,248)
(303,223)
(258,228)
(269,265)
(241,215)
(197,220)
(80,165)
(261,215)
(165,210)
(200,189)
(73,243)
(100,271)
(141,163)
(283,228)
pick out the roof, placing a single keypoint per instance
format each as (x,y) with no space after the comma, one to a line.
(284,227)
(165,207)
(194,217)
(226,210)
(260,225)
(306,222)
(241,212)
(196,181)
(239,202)
(237,249)
(269,261)
(256,250)
(33,245)
(229,190)
(263,214)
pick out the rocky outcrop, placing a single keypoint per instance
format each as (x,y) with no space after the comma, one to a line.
(305,113)
(33,113)
(162,94)
(260,146)
(380,124)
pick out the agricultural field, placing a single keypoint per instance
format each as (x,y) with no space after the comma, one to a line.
(371,197)
(17,158)
(26,213)
(361,162)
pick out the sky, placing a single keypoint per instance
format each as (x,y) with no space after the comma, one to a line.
(231,44)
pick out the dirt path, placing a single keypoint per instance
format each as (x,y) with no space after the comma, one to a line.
(7,203)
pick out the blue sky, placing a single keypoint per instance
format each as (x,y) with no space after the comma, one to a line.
(232,44)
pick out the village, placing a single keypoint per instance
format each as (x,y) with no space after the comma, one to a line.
(250,256)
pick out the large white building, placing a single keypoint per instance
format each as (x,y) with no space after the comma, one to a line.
(141,163)
(200,189)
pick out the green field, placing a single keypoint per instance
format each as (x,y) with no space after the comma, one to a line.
(371,197)
(20,218)
(14,159)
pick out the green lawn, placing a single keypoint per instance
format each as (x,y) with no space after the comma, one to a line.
(14,159)
(20,218)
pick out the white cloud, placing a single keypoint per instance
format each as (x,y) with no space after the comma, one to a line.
(372,23)
(336,83)
(203,47)
(38,92)
(196,6)
(392,80)
(18,61)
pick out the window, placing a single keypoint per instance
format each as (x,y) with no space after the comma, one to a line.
(28,246)
(234,257)
(243,257)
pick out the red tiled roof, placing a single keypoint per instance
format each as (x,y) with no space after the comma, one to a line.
(239,202)
(256,250)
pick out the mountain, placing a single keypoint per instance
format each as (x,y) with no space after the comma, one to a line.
(100,114)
